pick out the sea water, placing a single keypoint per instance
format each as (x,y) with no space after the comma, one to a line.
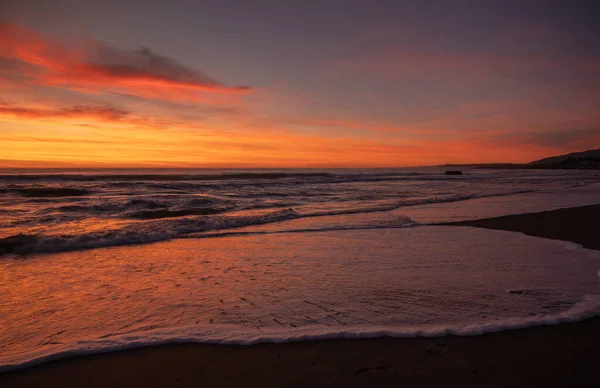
(241,258)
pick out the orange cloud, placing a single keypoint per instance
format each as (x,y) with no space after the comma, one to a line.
(76,112)
(98,68)
(88,116)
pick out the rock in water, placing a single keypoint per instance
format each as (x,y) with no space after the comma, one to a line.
(453,172)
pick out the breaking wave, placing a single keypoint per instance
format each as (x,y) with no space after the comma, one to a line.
(158,230)
(589,307)
(137,233)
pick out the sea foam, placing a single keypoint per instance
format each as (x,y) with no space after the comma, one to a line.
(421,281)
(232,335)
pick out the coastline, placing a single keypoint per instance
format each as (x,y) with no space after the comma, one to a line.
(575,224)
(559,355)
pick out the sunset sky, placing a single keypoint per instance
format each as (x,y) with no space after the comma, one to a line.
(296,83)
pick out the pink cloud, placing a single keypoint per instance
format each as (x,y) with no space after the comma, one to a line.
(97,68)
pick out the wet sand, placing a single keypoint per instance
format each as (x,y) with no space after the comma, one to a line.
(580,225)
(563,355)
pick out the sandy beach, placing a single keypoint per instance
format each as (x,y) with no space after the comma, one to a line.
(563,355)
(578,225)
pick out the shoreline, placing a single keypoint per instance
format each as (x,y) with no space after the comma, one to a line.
(574,224)
(557,355)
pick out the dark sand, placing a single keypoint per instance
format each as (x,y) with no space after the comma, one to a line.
(580,225)
(566,355)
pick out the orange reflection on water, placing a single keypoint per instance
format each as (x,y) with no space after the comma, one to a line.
(275,285)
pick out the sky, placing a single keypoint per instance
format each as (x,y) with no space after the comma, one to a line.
(306,83)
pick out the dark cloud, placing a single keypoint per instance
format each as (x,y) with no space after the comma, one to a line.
(144,63)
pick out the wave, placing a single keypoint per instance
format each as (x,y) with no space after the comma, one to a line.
(43,192)
(164,229)
(589,307)
(146,208)
(159,177)
(157,206)
(386,223)
(410,202)
(137,233)
(165,213)
(160,222)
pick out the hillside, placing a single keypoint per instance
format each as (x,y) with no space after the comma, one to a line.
(585,160)
(572,158)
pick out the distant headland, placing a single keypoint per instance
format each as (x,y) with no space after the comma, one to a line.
(585,160)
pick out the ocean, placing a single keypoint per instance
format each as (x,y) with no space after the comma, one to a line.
(101,260)
(53,211)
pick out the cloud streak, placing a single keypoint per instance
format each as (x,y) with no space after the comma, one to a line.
(97,68)
(76,112)
(89,116)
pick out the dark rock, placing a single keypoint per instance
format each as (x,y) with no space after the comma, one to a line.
(453,172)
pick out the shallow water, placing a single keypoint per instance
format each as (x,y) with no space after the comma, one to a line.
(291,286)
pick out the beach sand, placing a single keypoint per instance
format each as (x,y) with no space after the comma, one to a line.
(562,355)
(578,224)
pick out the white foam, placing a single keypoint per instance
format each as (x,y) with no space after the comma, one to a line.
(424,281)
(232,335)
(167,229)
(143,232)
